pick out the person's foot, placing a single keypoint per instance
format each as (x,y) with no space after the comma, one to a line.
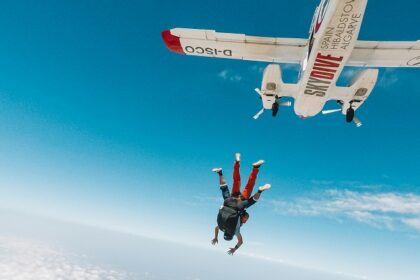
(258,163)
(217,170)
(237,157)
(264,187)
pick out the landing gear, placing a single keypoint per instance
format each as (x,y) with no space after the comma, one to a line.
(275,109)
(349,115)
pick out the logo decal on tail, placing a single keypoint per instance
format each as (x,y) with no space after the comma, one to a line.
(322,74)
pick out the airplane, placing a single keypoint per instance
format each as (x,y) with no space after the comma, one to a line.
(332,44)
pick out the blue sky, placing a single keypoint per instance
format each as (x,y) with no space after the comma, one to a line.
(101,124)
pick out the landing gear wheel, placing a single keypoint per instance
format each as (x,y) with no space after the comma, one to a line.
(349,115)
(275,108)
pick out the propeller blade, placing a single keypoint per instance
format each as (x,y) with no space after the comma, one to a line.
(258,91)
(257,115)
(330,111)
(357,121)
(286,103)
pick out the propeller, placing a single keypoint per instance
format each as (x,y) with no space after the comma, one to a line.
(324,112)
(357,121)
(257,115)
(285,103)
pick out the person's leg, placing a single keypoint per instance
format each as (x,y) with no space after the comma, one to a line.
(250,185)
(251,180)
(236,189)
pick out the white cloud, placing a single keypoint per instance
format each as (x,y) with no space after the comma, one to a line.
(387,210)
(413,222)
(257,68)
(229,75)
(26,260)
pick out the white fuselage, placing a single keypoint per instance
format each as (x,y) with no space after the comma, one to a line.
(334,32)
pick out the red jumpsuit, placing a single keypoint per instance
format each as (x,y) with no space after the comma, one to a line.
(237,181)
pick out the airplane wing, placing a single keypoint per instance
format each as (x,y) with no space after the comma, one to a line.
(210,43)
(385,54)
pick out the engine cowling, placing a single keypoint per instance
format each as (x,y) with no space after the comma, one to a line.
(271,85)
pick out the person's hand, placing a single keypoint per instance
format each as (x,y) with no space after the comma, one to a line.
(231,251)
(214,241)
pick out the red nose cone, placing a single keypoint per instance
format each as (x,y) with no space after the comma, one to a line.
(172,42)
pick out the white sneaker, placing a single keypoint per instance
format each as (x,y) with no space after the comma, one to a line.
(264,187)
(217,169)
(258,163)
(238,157)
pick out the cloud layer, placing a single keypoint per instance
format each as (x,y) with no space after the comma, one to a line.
(27,260)
(389,210)
(229,75)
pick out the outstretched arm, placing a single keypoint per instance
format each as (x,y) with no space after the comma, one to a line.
(240,241)
(216,235)
(257,195)
(251,201)
(247,203)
